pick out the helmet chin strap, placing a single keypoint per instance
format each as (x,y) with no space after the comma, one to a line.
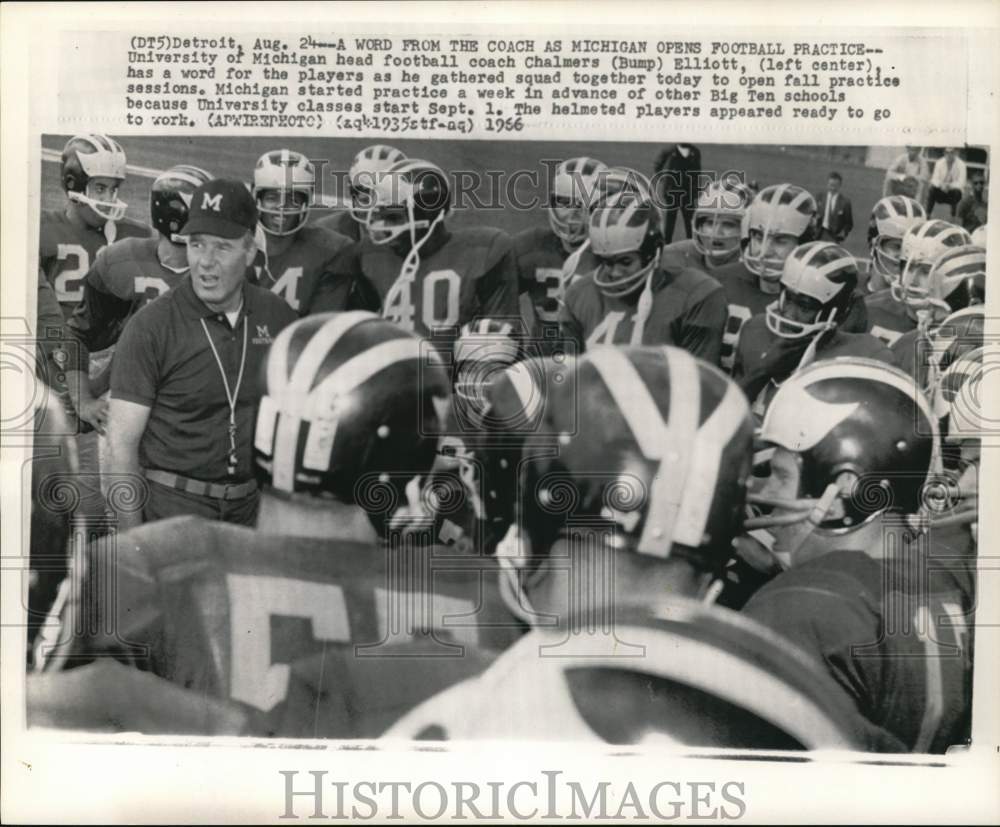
(411,263)
(808,511)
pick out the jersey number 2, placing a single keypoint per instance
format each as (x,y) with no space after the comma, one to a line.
(69,283)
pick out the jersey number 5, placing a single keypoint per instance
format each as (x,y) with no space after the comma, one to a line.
(253,600)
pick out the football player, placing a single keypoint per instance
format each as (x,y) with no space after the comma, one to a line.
(891,218)
(425,277)
(292,255)
(855,445)
(365,169)
(805,323)
(717,226)
(125,276)
(608,183)
(890,312)
(629,299)
(542,251)
(337,614)
(952,290)
(618,534)
(779,218)
(92,170)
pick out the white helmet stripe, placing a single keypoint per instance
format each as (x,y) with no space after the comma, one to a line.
(278,381)
(657,440)
(709,443)
(359,369)
(181,176)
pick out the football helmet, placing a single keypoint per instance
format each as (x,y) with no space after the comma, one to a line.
(93,156)
(959,333)
(957,397)
(292,177)
(819,275)
(574,184)
(624,223)
(922,244)
(778,212)
(410,199)
(352,409)
(614,180)
(979,236)
(864,437)
(718,219)
(365,170)
(957,279)
(654,454)
(891,218)
(484,348)
(170,198)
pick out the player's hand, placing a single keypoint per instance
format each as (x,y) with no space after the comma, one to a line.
(94,412)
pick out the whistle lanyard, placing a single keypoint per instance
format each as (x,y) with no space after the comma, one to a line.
(230,397)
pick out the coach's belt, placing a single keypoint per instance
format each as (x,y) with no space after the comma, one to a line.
(215,490)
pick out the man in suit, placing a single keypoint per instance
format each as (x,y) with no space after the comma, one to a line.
(677,184)
(835,217)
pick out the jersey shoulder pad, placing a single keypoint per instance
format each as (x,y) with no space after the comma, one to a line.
(533,238)
(881,300)
(486,244)
(130,228)
(694,283)
(680,254)
(116,265)
(323,238)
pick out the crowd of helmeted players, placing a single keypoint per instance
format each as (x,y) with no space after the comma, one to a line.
(578,484)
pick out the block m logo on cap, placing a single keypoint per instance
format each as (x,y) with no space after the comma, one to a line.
(211,202)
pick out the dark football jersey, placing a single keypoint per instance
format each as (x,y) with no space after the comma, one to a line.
(322,638)
(689,311)
(540,258)
(910,356)
(887,318)
(463,275)
(340,222)
(295,274)
(896,634)
(764,360)
(124,276)
(744,299)
(66,251)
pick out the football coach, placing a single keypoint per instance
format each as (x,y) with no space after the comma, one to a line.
(187,375)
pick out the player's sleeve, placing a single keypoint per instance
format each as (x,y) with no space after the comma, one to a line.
(570,328)
(49,330)
(497,289)
(702,326)
(135,370)
(97,320)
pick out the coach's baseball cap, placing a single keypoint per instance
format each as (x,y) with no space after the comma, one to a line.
(222,207)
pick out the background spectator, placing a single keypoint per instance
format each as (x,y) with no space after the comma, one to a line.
(972,209)
(678,170)
(908,175)
(836,219)
(947,181)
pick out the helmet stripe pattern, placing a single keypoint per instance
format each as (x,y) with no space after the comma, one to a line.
(809,428)
(688,455)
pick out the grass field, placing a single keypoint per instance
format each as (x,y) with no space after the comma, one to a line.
(235,157)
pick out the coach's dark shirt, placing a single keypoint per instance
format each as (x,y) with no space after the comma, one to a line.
(164,362)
